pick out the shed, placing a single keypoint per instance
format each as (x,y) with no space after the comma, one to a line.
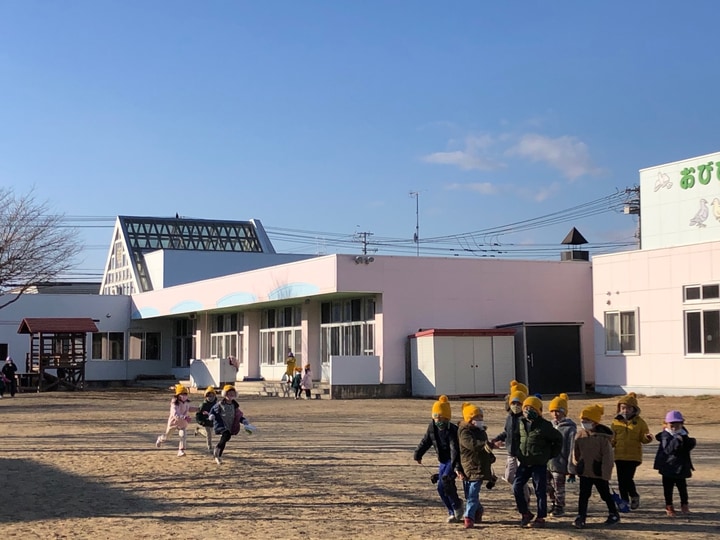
(462,362)
(58,352)
(548,356)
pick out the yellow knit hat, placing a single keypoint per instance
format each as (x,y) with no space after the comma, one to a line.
(210,390)
(559,403)
(516,386)
(517,396)
(593,412)
(180,389)
(630,399)
(533,402)
(470,411)
(441,408)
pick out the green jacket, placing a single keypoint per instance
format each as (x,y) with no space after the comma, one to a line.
(539,442)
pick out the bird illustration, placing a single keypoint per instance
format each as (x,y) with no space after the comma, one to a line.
(663,181)
(701,216)
(716,208)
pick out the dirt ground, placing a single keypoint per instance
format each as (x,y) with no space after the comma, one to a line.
(84,465)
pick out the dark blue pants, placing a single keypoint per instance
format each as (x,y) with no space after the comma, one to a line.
(538,473)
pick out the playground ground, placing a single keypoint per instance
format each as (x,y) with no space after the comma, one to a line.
(84,465)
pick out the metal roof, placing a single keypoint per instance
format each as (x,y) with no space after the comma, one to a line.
(57,325)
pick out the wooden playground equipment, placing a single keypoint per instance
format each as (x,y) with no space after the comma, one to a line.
(58,352)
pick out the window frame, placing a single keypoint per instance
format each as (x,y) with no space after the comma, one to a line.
(621,335)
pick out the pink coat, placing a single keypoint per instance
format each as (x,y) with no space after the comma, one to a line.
(180,414)
(306,383)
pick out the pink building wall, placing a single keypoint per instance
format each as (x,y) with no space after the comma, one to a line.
(652,281)
(412,293)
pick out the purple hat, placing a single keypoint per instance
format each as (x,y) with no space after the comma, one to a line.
(674,416)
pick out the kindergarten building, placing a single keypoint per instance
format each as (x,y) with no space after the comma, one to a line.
(657,309)
(210,300)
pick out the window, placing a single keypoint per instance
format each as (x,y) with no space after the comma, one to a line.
(347,328)
(183,342)
(226,336)
(620,332)
(701,292)
(702,332)
(108,346)
(144,346)
(702,322)
(281,330)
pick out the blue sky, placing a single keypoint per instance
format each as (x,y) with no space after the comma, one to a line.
(324,115)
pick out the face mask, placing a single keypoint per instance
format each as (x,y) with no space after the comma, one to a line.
(440,424)
(588,425)
(182,397)
(478,423)
(211,397)
(531,414)
(516,409)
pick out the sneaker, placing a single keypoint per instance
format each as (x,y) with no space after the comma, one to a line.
(181,452)
(159,442)
(216,455)
(459,511)
(579,522)
(558,511)
(451,519)
(612,519)
(552,509)
(635,502)
(526,518)
(468,523)
(684,508)
(218,460)
(539,523)
(670,510)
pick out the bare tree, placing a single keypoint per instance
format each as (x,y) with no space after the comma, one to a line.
(35,247)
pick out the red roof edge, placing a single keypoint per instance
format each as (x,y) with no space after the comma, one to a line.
(57,325)
(463,332)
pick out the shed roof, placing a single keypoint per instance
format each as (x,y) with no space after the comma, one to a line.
(57,325)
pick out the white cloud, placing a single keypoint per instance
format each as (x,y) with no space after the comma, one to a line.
(485,188)
(469,157)
(567,154)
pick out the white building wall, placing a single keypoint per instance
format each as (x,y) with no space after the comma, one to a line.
(680,202)
(111,313)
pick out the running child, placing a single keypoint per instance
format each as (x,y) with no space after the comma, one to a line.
(179,419)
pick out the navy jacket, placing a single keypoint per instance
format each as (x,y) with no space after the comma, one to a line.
(446,445)
(673,455)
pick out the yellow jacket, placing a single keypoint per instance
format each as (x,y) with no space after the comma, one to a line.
(628,438)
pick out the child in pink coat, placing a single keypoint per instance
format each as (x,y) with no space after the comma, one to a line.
(179,418)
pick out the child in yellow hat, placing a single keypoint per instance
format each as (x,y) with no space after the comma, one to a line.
(227,418)
(202,416)
(593,460)
(630,433)
(539,443)
(510,436)
(560,467)
(442,435)
(476,458)
(179,419)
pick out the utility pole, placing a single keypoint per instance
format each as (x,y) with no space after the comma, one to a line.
(632,207)
(416,237)
(364,240)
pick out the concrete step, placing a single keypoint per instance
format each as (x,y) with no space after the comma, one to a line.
(321,390)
